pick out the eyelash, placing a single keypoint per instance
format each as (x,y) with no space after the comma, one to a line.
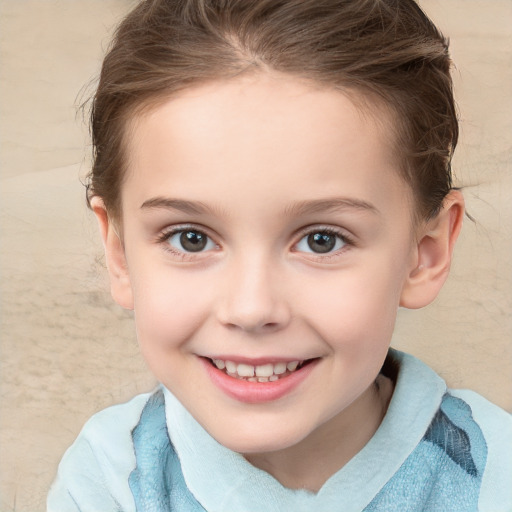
(167,234)
(347,241)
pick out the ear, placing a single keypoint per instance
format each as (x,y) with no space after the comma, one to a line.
(120,286)
(433,254)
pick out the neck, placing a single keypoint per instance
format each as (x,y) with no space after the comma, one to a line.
(310,463)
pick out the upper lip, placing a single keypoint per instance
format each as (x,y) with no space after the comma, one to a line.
(257,361)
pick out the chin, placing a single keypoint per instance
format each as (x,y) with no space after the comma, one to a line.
(258,439)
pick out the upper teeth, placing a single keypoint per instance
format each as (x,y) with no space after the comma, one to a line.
(263,370)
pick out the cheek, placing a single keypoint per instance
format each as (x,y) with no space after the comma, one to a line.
(355,309)
(168,309)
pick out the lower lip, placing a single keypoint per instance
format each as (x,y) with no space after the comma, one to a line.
(257,392)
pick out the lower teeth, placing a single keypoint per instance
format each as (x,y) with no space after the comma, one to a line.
(272,378)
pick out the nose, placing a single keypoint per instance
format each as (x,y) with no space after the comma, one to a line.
(253,299)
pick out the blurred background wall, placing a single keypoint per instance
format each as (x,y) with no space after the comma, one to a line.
(67,350)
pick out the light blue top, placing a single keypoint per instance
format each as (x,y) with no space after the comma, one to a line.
(434,451)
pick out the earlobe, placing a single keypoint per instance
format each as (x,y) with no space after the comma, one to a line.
(120,286)
(433,253)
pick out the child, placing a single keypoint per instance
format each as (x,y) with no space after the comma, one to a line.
(272,181)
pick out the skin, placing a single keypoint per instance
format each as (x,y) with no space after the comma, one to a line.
(256,164)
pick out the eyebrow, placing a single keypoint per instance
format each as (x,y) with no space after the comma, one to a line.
(334,204)
(308,207)
(188,207)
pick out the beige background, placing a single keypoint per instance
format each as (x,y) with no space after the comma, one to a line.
(67,351)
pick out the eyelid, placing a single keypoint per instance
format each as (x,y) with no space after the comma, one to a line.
(169,231)
(343,234)
(325,228)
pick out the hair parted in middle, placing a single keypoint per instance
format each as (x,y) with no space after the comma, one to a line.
(385,50)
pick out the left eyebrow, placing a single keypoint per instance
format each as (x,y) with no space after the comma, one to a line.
(334,204)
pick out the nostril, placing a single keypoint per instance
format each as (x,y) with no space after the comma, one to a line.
(253,316)
(263,327)
(252,327)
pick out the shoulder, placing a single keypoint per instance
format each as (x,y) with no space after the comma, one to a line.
(495,426)
(94,471)
(460,431)
(494,421)
(115,422)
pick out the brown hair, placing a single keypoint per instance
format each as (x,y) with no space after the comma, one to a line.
(387,49)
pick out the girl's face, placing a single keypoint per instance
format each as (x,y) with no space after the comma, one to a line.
(266,231)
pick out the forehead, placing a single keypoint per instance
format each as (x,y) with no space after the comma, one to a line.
(256,133)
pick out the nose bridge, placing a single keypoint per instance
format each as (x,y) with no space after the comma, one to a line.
(253,298)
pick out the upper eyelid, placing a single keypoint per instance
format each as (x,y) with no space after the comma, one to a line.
(177,228)
(324,228)
(168,231)
(348,239)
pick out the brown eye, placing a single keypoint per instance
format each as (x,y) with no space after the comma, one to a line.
(321,242)
(190,240)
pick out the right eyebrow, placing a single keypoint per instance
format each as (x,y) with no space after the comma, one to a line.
(182,205)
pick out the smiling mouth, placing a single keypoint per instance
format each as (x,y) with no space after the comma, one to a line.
(269,372)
